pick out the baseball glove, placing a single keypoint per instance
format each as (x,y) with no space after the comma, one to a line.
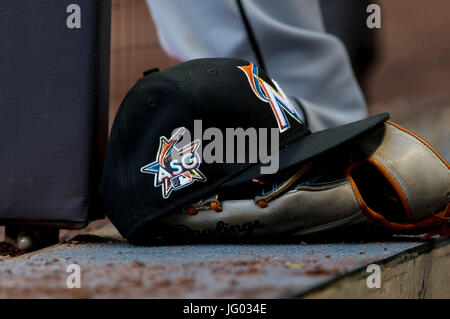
(390,180)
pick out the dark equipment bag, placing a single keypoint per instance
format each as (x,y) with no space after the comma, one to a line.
(54,87)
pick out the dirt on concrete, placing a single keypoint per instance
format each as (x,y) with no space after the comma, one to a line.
(140,279)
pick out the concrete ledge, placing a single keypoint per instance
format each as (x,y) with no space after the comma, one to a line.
(112,268)
(410,275)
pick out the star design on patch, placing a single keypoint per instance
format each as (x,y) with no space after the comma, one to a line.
(175,168)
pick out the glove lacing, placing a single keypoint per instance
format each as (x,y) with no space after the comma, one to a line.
(205,204)
(263,201)
(214,204)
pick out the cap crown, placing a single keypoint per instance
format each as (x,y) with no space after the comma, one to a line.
(140,180)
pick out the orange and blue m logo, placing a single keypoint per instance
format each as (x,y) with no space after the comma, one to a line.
(274,96)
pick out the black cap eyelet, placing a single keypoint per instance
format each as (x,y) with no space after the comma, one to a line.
(150,71)
(151,103)
(214,71)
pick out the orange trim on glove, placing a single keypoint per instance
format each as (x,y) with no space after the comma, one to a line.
(427,222)
(422,140)
(439,219)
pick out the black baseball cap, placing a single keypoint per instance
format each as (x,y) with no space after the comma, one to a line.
(149,170)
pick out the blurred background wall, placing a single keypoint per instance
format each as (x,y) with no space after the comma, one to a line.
(414,51)
(409,76)
(134,48)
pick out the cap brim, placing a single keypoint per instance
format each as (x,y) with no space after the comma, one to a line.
(312,145)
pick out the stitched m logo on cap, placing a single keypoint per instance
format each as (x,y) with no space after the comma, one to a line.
(175,168)
(276,97)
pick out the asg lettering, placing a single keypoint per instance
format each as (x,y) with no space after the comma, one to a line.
(175,168)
